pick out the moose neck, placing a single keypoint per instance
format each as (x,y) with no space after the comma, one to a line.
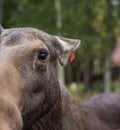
(52,120)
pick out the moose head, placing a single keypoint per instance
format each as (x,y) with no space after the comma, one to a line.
(28,56)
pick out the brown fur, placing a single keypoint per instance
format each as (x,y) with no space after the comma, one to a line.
(10,117)
(34,86)
(107,107)
(79,117)
(38,90)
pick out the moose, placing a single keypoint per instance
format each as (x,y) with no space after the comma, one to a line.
(30,95)
(106,106)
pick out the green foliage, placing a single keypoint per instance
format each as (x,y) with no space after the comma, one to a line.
(38,14)
(80,92)
(87,20)
(95,22)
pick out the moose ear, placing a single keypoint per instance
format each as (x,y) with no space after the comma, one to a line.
(1,29)
(65,48)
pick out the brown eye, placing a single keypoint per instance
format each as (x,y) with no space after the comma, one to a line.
(43,55)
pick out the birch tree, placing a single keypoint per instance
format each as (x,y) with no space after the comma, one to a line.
(60,68)
(109,20)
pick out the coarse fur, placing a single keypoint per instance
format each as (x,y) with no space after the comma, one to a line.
(38,89)
(107,107)
(10,116)
(79,117)
(43,103)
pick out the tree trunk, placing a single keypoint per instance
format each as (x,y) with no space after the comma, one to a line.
(60,69)
(107,76)
(69,77)
(1,10)
(60,73)
(109,42)
(86,77)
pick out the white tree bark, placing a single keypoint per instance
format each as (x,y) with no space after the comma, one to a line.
(109,37)
(107,76)
(60,69)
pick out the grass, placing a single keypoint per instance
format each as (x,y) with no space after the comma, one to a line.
(79,91)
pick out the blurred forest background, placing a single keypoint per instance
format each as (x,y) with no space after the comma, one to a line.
(95,22)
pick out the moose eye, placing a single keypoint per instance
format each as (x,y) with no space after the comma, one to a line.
(43,55)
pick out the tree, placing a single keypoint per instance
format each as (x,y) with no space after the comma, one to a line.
(1,10)
(60,69)
(109,40)
(95,23)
